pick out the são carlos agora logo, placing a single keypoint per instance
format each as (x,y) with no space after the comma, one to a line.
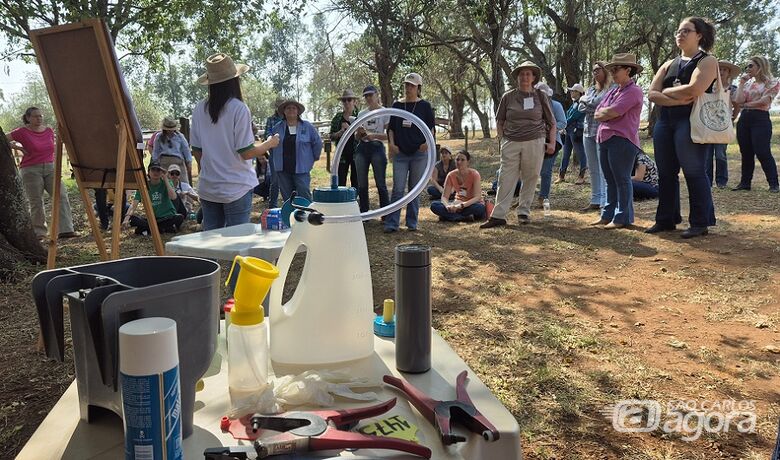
(715,115)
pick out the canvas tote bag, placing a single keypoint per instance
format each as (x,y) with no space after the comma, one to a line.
(711,117)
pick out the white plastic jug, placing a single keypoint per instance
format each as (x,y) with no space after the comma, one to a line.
(329,318)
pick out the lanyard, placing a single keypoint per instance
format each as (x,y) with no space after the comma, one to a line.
(681,67)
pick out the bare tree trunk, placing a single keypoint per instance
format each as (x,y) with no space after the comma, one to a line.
(458,102)
(15,224)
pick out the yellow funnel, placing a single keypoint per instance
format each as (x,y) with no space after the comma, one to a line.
(254,282)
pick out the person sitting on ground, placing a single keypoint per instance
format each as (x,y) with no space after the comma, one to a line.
(162,194)
(645,178)
(465,183)
(440,171)
(185,195)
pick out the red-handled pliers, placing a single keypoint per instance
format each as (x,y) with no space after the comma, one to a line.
(441,414)
(322,430)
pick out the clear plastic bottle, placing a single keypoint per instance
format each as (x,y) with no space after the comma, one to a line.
(546,206)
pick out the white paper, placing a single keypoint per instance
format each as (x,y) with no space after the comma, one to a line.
(528,103)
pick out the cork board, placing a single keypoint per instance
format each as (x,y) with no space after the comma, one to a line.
(90,99)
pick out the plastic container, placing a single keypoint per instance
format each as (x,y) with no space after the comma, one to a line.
(413,308)
(546,207)
(151,400)
(330,316)
(248,333)
(274,220)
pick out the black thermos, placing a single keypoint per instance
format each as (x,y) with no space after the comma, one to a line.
(413,308)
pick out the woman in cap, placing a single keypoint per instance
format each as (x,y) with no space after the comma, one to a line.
(299,147)
(224,145)
(757,87)
(439,174)
(526,130)
(716,153)
(602,83)
(618,138)
(574,136)
(675,86)
(171,147)
(464,184)
(370,151)
(549,160)
(37,170)
(408,150)
(338,126)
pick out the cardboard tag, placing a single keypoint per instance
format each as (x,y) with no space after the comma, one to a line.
(528,103)
(392,427)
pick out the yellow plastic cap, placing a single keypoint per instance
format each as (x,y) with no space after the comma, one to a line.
(388,310)
(254,281)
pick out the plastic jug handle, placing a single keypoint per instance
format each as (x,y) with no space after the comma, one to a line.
(283,264)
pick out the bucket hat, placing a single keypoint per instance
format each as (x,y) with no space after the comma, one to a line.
(286,102)
(577,87)
(169,124)
(734,69)
(624,59)
(528,65)
(219,68)
(347,94)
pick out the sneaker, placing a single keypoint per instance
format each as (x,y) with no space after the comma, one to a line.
(559,180)
(493,222)
(523,219)
(579,181)
(694,232)
(599,222)
(68,235)
(774,189)
(390,230)
(612,225)
(411,229)
(740,187)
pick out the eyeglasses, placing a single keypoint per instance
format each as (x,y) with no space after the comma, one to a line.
(684,32)
(750,66)
(174,173)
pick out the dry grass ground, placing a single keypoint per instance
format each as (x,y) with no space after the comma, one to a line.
(559,319)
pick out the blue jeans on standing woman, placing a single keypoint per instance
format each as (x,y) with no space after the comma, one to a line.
(618,155)
(300,183)
(545,181)
(754,133)
(571,142)
(219,215)
(674,150)
(716,153)
(371,154)
(598,186)
(407,171)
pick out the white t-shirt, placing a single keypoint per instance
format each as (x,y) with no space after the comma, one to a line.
(375,125)
(225,176)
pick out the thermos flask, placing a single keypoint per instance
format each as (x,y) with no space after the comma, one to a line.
(413,308)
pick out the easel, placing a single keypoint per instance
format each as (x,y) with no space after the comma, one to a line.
(79,40)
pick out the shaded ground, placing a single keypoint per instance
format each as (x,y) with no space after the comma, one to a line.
(559,319)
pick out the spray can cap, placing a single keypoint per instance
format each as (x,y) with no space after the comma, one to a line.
(254,281)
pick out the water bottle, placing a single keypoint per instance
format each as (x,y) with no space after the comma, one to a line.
(546,206)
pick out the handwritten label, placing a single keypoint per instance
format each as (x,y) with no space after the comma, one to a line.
(393,427)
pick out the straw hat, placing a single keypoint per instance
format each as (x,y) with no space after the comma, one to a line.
(528,65)
(624,59)
(577,87)
(169,124)
(286,102)
(734,69)
(348,94)
(219,68)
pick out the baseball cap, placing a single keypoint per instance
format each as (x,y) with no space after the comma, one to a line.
(413,78)
(156,165)
(370,89)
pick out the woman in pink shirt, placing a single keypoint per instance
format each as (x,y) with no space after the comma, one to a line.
(465,183)
(37,171)
(618,138)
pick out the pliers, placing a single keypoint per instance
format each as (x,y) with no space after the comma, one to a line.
(442,414)
(320,430)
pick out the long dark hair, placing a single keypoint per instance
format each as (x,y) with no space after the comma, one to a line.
(27,113)
(220,94)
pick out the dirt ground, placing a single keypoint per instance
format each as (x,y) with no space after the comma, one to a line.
(559,319)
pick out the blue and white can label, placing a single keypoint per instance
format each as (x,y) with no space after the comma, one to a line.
(152,416)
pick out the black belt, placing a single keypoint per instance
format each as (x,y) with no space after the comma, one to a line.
(173,156)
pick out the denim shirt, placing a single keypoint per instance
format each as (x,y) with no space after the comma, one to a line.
(308,145)
(560,119)
(588,104)
(178,147)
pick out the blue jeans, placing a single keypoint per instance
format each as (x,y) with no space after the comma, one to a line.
(618,155)
(569,144)
(477,210)
(674,150)
(754,133)
(717,152)
(434,193)
(218,215)
(546,175)
(371,154)
(407,171)
(273,187)
(598,186)
(643,190)
(300,183)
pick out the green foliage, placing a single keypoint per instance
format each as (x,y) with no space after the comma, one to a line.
(33,94)
(149,108)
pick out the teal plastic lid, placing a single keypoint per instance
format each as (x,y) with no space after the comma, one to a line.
(335,195)
(287,208)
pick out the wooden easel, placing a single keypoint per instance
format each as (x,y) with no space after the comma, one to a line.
(89,41)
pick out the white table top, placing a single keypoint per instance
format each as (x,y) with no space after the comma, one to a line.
(226,243)
(63,435)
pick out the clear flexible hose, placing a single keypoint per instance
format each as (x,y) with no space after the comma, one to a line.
(413,193)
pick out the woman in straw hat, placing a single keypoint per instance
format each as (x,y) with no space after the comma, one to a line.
(224,145)
(526,129)
(757,87)
(716,153)
(299,147)
(338,126)
(675,86)
(602,83)
(618,138)
(171,148)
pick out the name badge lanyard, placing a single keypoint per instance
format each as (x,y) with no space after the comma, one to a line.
(681,67)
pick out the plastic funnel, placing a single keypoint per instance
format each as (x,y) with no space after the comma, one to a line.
(254,281)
